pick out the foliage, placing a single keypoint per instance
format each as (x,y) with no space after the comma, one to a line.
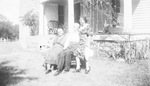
(9,31)
(31,19)
(98,11)
(130,51)
(103,6)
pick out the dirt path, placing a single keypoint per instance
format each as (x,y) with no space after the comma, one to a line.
(24,68)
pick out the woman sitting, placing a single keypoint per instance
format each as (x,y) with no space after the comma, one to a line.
(52,55)
(71,43)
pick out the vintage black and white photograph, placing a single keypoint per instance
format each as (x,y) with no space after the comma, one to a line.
(74,42)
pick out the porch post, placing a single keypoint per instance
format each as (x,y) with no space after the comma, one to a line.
(41,19)
(45,26)
(127,15)
(70,15)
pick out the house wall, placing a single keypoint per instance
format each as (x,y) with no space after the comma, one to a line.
(141,16)
(24,31)
(51,11)
(135,4)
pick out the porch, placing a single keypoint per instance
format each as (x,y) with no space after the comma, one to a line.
(55,14)
(66,12)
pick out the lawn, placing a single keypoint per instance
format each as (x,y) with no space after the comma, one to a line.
(24,68)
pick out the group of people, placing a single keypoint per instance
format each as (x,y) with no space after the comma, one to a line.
(75,43)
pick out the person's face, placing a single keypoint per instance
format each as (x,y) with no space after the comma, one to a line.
(81,21)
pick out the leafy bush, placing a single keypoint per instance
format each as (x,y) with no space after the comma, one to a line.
(129,51)
(9,31)
(31,19)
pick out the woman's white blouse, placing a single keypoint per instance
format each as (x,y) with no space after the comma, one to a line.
(72,37)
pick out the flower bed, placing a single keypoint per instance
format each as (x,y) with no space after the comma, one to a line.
(130,51)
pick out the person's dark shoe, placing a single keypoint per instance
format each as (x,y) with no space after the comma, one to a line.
(48,71)
(77,71)
(87,71)
(57,73)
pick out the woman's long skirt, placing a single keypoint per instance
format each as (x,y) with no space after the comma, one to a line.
(52,55)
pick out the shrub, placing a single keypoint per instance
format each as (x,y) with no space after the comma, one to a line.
(9,31)
(129,51)
(31,19)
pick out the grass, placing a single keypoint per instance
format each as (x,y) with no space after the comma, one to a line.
(25,69)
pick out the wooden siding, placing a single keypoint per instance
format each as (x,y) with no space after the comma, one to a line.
(141,16)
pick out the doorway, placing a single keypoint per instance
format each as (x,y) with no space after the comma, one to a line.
(76,12)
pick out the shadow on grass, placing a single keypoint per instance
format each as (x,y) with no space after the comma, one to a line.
(9,75)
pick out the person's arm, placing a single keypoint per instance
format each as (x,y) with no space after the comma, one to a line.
(84,29)
(81,28)
(89,32)
(55,40)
